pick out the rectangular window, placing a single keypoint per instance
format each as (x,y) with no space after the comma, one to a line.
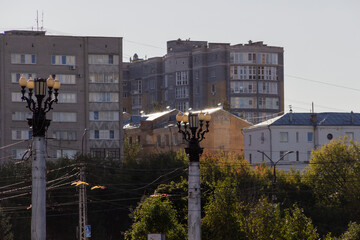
(104,77)
(16,96)
(243,87)
(16,76)
(67,98)
(19,134)
(349,135)
(65,135)
(182,92)
(96,134)
(297,137)
(64,117)
(21,116)
(243,102)
(249,140)
(63,60)
(23,58)
(103,97)
(112,134)
(66,78)
(284,136)
(286,158)
(310,136)
(64,153)
(182,106)
(104,116)
(182,78)
(103,59)
(20,153)
(102,134)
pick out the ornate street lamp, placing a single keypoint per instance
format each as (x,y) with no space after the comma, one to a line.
(191,126)
(39,124)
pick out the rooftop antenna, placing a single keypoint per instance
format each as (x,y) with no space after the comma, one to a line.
(312,107)
(290,106)
(42,20)
(37,20)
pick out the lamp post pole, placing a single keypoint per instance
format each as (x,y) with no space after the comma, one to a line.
(82,194)
(191,127)
(274,173)
(39,125)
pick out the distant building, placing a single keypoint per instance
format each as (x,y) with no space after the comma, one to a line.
(249,78)
(158,132)
(300,133)
(90,72)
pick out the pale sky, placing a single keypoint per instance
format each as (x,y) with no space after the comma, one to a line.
(321,38)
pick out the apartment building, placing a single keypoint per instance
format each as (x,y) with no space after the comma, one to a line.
(247,78)
(90,72)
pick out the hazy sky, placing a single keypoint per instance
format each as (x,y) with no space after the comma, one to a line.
(321,38)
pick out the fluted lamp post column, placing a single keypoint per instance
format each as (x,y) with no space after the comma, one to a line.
(39,124)
(191,127)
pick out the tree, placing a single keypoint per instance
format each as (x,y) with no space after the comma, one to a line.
(5,227)
(222,214)
(155,215)
(334,173)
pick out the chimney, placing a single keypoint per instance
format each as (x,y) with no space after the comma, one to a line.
(313,118)
(352,117)
(290,114)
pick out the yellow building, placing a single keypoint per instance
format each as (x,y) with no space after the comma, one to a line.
(158,132)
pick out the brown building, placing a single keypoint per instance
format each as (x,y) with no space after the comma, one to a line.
(158,132)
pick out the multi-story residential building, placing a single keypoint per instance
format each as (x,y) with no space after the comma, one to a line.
(158,132)
(90,72)
(249,78)
(300,133)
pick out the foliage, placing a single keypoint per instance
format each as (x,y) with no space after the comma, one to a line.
(5,227)
(334,173)
(352,233)
(155,215)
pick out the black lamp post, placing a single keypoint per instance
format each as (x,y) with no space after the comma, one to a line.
(191,127)
(39,124)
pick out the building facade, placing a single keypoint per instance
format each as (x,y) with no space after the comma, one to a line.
(248,79)
(158,132)
(90,97)
(300,133)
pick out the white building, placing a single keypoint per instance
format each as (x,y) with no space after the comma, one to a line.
(297,132)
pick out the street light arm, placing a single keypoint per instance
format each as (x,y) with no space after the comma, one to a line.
(282,157)
(266,156)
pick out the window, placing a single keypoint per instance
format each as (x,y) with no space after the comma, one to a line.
(104,116)
(268,87)
(136,101)
(138,87)
(182,92)
(297,156)
(158,141)
(166,81)
(152,83)
(104,77)
(62,60)
(23,58)
(65,135)
(16,76)
(268,103)
(286,158)
(104,59)
(284,136)
(182,78)
(262,137)
(66,78)
(182,106)
(16,96)
(64,153)
(243,87)
(213,88)
(349,135)
(67,97)
(308,155)
(64,117)
(243,102)
(21,116)
(103,97)
(103,134)
(249,140)
(297,137)
(19,134)
(310,136)
(20,153)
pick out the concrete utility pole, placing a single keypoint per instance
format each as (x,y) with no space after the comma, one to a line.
(39,125)
(82,195)
(193,133)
